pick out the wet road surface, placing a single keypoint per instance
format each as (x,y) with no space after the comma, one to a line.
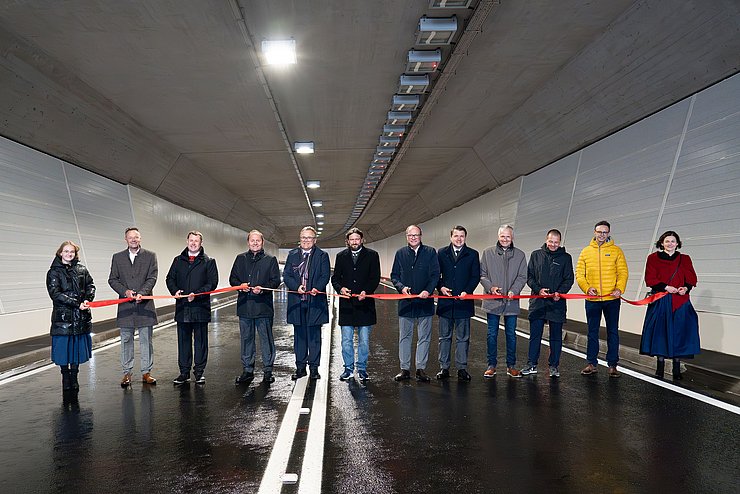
(575,434)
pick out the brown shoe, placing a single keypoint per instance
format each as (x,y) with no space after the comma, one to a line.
(126,381)
(148,379)
(613,372)
(490,372)
(513,372)
(589,369)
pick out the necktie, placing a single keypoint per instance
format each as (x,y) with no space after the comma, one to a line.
(457,253)
(354,257)
(303,270)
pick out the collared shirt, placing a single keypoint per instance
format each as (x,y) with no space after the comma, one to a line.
(132,255)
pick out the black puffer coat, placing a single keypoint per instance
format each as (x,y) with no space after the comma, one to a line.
(68,285)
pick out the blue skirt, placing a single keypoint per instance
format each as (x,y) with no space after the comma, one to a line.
(75,349)
(670,334)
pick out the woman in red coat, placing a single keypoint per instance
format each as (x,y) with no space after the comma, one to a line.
(671,327)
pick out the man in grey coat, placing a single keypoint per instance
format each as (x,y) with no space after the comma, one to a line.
(503,271)
(133,274)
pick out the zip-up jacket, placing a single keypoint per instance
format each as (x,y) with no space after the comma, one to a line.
(602,267)
(257,269)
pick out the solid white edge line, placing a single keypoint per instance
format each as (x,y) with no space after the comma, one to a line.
(313,457)
(638,375)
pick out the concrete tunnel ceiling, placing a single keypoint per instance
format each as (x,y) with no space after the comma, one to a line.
(172,96)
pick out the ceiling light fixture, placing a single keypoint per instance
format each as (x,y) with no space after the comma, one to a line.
(394,130)
(436,30)
(303,147)
(317,204)
(386,141)
(319,215)
(319,223)
(279,52)
(423,60)
(413,84)
(399,117)
(313,184)
(407,102)
(449,4)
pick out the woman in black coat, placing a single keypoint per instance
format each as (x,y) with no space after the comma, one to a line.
(71,288)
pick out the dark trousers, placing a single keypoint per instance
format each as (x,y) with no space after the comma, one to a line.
(306,342)
(262,326)
(189,335)
(610,310)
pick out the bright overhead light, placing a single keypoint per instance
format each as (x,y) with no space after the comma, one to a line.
(386,141)
(279,52)
(319,223)
(436,31)
(320,229)
(303,147)
(313,184)
(449,4)
(399,117)
(317,204)
(413,84)
(319,215)
(423,60)
(405,102)
(385,151)
(394,130)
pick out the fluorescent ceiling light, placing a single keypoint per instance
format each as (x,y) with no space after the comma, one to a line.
(313,184)
(319,215)
(449,4)
(385,151)
(423,60)
(394,130)
(319,223)
(399,117)
(405,102)
(413,84)
(317,204)
(279,52)
(303,147)
(386,141)
(436,31)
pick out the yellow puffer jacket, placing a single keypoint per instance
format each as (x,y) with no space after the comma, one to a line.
(603,268)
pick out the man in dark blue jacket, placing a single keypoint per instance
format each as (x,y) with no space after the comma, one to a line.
(307,272)
(550,272)
(460,268)
(254,305)
(415,272)
(192,272)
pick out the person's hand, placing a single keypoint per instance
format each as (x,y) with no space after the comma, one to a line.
(424,294)
(496,290)
(362,295)
(671,289)
(462,294)
(406,290)
(301,289)
(592,292)
(191,297)
(178,294)
(682,290)
(556,296)
(245,288)
(257,290)
(511,294)
(345,291)
(138,298)
(130,294)
(616,293)
(314,291)
(85,305)
(544,292)
(445,291)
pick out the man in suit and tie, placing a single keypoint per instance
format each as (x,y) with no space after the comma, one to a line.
(133,274)
(307,273)
(356,272)
(460,274)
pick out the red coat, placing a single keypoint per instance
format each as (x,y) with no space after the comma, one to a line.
(659,269)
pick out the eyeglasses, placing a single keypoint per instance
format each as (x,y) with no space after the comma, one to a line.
(307,238)
(599,232)
(413,235)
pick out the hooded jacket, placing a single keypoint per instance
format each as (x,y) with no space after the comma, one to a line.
(68,285)
(554,271)
(602,267)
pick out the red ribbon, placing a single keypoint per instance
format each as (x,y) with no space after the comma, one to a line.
(386,296)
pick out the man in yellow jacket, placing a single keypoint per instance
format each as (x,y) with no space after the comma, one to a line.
(602,272)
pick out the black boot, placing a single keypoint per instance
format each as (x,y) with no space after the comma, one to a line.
(660,369)
(677,370)
(74,369)
(66,379)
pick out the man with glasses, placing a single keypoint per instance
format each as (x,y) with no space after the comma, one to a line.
(602,273)
(415,272)
(307,273)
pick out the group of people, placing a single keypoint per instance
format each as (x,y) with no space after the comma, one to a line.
(670,331)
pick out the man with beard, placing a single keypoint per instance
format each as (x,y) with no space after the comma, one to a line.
(192,272)
(356,272)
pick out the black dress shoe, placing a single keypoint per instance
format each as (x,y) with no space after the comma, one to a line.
(245,378)
(268,378)
(443,374)
(314,374)
(404,375)
(463,375)
(421,376)
(299,373)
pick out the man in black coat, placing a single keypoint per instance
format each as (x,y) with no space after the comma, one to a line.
(460,274)
(254,306)
(550,272)
(415,272)
(192,272)
(356,272)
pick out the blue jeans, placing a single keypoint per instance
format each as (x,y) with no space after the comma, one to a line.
(610,309)
(348,347)
(510,330)
(536,328)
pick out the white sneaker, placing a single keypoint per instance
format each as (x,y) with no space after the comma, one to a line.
(530,369)
(554,372)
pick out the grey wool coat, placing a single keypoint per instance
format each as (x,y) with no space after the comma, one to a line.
(141,276)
